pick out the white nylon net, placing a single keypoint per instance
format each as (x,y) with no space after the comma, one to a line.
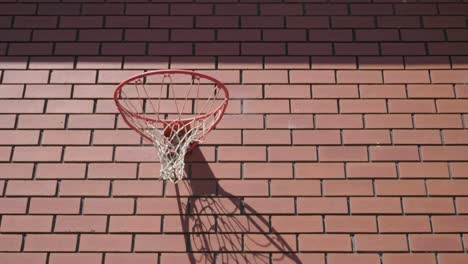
(173,122)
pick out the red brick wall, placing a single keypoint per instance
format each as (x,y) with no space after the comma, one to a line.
(345,141)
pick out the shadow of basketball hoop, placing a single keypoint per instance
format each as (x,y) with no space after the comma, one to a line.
(219,228)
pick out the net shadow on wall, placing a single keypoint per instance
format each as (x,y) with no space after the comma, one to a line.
(226,229)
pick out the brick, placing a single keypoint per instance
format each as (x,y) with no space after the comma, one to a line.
(363,106)
(91,121)
(108,206)
(366,137)
(338,121)
(319,170)
(289,121)
(212,49)
(378,63)
(88,154)
(459,169)
(377,35)
(400,187)
(319,205)
(444,152)
(416,137)
(31,188)
(203,171)
(75,258)
(347,188)
(80,223)
(218,21)
(320,35)
(21,106)
(314,106)
(116,137)
(265,137)
(84,188)
(452,258)
(324,243)
(164,242)
(446,187)
(437,121)
(125,48)
(334,258)
(263,242)
(144,258)
(75,48)
(432,242)
(112,171)
(41,121)
(69,106)
(31,49)
(13,205)
(381,242)
(398,22)
(451,106)
(296,223)
(60,137)
(16,171)
(8,121)
(242,225)
(289,91)
(423,170)
(171,22)
(359,49)
(136,188)
(371,170)
(265,106)
(5,153)
(31,258)
(26,223)
(350,224)
(347,153)
(316,137)
(48,91)
(237,153)
(269,76)
(10,242)
(60,171)
(455,136)
(133,153)
(360,77)
(427,62)
(393,153)
(81,21)
(312,76)
(54,206)
(448,76)
(296,153)
(449,224)
(368,205)
(388,121)
(128,224)
(261,170)
(405,49)
(64,76)
(295,188)
(421,205)
(106,242)
(149,9)
(352,22)
(306,22)
(11,91)
(403,224)
(406,76)
(49,242)
(334,91)
(271,205)
(244,187)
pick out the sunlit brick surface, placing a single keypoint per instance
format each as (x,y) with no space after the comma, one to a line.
(345,141)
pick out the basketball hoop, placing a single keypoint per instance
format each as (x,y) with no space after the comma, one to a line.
(174,110)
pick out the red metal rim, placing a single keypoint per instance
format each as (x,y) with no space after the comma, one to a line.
(123,111)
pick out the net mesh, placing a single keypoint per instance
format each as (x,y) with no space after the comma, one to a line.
(174,115)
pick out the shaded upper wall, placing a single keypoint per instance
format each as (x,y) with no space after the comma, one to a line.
(215,33)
